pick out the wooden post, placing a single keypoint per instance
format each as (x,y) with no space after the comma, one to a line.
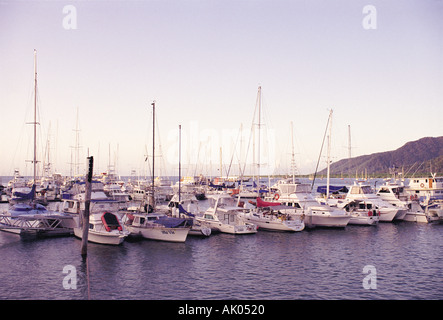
(85,217)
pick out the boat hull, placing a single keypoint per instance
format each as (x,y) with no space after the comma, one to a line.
(160,233)
(111,238)
(416,217)
(401,214)
(276,224)
(387,214)
(325,220)
(216,226)
(364,221)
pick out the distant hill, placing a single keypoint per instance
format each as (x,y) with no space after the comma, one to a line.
(414,157)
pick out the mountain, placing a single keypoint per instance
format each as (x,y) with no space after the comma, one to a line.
(419,157)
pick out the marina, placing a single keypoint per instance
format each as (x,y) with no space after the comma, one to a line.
(177,151)
(314,263)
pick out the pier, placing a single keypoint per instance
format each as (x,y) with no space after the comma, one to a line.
(39,225)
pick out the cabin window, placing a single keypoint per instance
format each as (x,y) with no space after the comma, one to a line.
(208,216)
(142,220)
(91,226)
(384,190)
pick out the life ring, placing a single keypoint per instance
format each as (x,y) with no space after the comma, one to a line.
(422,185)
(276,196)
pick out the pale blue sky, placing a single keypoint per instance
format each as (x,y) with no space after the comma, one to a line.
(202,61)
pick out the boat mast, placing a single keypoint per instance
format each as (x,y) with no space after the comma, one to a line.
(293,154)
(259,128)
(35,116)
(349,150)
(179,162)
(329,152)
(153,151)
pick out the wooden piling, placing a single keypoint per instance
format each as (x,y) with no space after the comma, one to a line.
(85,216)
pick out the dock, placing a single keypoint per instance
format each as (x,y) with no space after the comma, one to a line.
(39,225)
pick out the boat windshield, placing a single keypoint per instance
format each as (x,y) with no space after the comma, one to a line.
(366,189)
(361,190)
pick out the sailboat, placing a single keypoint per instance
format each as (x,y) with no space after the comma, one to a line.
(25,215)
(156,225)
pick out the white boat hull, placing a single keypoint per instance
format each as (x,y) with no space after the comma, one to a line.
(200,231)
(416,217)
(216,226)
(276,224)
(401,214)
(364,221)
(112,238)
(160,233)
(326,220)
(387,214)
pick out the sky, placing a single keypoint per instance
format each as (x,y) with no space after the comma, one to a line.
(377,64)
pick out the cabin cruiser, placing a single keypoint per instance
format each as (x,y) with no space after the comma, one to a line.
(224,216)
(298,195)
(425,190)
(272,216)
(363,192)
(362,212)
(191,185)
(104,228)
(434,212)
(395,193)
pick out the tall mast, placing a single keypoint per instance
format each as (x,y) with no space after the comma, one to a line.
(329,152)
(349,150)
(293,154)
(259,129)
(35,116)
(153,151)
(179,162)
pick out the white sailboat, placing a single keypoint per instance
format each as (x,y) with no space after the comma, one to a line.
(25,215)
(156,225)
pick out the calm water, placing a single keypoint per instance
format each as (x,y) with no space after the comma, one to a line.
(316,264)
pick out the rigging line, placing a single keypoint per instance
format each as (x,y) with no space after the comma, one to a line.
(321,150)
(233,153)
(250,137)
